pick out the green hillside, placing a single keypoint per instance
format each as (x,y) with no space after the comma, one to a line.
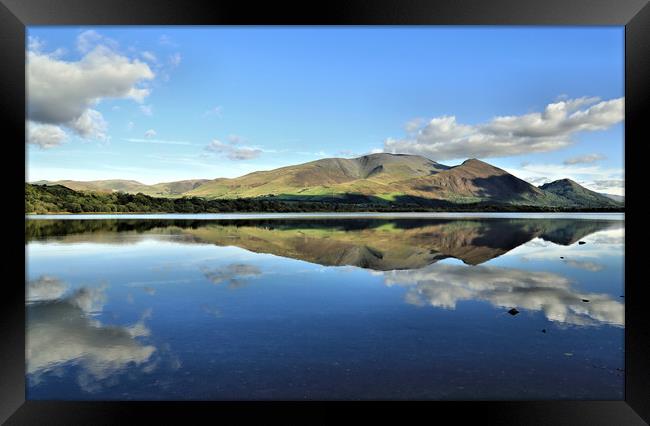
(383,180)
(578,195)
(165,189)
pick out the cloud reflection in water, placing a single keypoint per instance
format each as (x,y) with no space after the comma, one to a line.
(63,331)
(445,285)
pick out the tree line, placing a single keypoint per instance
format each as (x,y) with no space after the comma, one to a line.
(42,199)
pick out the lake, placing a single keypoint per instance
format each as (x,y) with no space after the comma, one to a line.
(347,306)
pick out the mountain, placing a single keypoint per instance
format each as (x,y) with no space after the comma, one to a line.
(577,194)
(165,189)
(375,178)
(384,177)
(617,198)
(370,175)
(475,181)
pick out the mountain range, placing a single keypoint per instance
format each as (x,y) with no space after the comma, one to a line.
(382,177)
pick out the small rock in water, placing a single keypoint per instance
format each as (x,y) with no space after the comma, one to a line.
(585,300)
(561,257)
(581,242)
(513,311)
(543,330)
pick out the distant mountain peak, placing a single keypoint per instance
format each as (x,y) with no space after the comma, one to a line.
(476,162)
(577,194)
(561,182)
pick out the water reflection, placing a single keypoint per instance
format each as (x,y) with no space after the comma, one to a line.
(235,274)
(62,331)
(377,244)
(445,285)
(307,308)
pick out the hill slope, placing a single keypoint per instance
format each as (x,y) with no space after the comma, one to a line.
(369,175)
(474,181)
(375,178)
(165,189)
(578,195)
(390,177)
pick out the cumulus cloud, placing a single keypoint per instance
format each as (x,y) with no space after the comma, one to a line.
(232,151)
(445,138)
(45,135)
(90,125)
(62,331)
(63,93)
(445,285)
(150,133)
(584,159)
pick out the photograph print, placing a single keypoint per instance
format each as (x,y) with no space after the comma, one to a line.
(325,213)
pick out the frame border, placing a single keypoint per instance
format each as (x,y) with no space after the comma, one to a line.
(16,15)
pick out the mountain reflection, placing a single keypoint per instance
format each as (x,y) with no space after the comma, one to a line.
(61,331)
(445,285)
(378,244)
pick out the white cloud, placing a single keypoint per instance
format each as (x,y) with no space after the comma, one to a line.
(158,141)
(595,178)
(584,159)
(45,135)
(146,110)
(236,139)
(87,40)
(233,152)
(175,59)
(444,138)
(149,56)
(165,40)
(150,133)
(90,125)
(609,186)
(63,93)
(35,44)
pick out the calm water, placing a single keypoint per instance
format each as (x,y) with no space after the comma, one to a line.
(354,307)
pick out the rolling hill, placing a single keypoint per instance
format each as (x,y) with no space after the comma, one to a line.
(373,178)
(165,189)
(577,194)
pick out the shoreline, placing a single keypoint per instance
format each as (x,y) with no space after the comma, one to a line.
(261,215)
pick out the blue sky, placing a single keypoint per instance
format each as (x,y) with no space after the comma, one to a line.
(157,104)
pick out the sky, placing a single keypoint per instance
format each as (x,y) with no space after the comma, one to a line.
(159,104)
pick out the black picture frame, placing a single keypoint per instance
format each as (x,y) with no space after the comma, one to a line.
(15,15)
